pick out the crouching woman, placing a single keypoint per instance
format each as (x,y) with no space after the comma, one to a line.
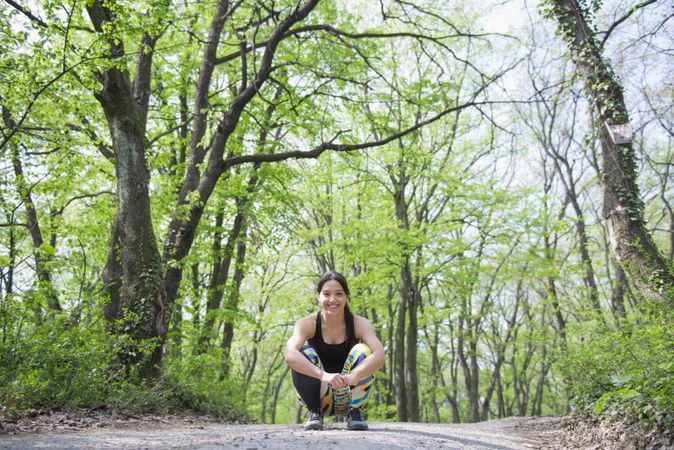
(332,371)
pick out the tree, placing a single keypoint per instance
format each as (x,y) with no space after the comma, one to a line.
(632,245)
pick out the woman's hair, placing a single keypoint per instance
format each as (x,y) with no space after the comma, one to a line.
(348,316)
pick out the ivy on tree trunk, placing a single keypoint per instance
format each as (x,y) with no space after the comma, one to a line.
(631,243)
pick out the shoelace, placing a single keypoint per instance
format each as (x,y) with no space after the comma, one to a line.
(355,415)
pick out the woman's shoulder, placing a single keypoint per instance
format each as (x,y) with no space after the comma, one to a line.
(361,319)
(361,323)
(307,323)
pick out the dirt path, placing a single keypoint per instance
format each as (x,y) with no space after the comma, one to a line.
(507,434)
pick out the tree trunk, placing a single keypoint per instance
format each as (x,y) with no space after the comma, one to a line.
(399,358)
(435,371)
(232,306)
(142,298)
(552,293)
(391,389)
(42,257)
(536,407)
(452,394)
(618,291)
(142,294)
(623,207)
(474,381)
(277,390)
(583,242)
(112,279)
(411,379)
(219,274)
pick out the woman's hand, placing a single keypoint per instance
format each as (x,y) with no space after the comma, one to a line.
(350,379)
(335,380)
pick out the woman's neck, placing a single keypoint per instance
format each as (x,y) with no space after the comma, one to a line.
(333,318)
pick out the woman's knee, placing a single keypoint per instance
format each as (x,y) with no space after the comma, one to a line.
(361,349)
(357,354)
(310,353)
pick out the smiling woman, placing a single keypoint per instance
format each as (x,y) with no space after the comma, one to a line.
(333,372)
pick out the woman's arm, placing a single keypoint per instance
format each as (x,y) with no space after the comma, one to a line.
(374,362)
(299,363)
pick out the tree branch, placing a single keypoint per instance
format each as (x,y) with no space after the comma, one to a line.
(141,81)
(336,32)
(167,132)
(26,12)
(624,18)
(317,151)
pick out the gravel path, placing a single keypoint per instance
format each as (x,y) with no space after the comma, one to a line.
(506,434)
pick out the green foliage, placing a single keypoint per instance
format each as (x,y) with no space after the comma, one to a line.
(54,364)
(188,384)
(57,363)
(625,372)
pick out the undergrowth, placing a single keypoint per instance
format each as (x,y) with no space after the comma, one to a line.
(623,371)
(57,364)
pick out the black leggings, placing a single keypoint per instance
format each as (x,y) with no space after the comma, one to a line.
(309,389)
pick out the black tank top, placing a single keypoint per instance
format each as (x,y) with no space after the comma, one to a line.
(332,356)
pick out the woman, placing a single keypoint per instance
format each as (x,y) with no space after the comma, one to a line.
(333,374)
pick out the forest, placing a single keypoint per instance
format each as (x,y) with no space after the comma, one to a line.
(493,178)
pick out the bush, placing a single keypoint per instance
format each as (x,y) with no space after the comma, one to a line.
(623,372)
(195,383)
(51,363)
(55,364)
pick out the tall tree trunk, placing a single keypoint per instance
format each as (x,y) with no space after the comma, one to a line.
(618,291)
(142,298)
(399,358)
(232,306)
(464,338)
(219,274)
(405,291)
(407,384)
(552,291)
(411,379)
(583,242)
(452,393)
(474,381)
(537,402)
(391,389)
(500,401)
(623,207)
(435,370)
(277,390)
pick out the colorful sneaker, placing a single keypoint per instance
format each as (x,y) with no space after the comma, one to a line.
(315,421)
(356,421)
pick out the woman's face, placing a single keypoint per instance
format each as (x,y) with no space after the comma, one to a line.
(332,297)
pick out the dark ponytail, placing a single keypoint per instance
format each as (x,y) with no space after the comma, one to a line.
(348,316)
(350,326)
